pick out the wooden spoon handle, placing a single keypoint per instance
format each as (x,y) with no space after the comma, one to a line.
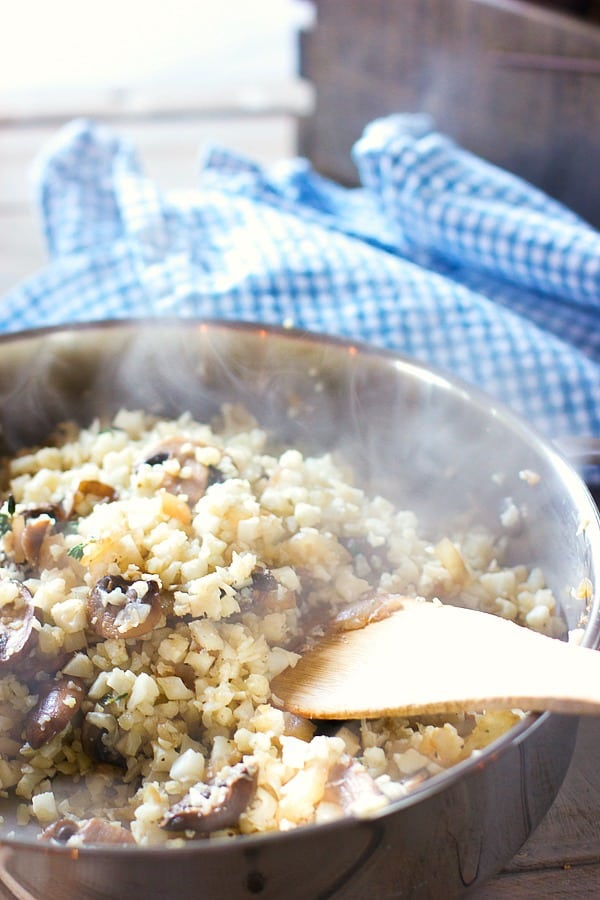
(429,659)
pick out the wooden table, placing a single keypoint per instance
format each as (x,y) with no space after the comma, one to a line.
(562,859)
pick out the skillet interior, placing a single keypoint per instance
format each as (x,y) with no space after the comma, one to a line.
(426,441)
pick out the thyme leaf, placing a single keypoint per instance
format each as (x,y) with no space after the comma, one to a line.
(107,699)
(77,551)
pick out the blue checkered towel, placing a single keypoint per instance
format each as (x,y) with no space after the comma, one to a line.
(438,254)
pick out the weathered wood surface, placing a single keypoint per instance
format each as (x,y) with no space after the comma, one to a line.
(562,858)
(514,82)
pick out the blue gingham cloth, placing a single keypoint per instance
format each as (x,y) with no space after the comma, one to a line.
(437,254)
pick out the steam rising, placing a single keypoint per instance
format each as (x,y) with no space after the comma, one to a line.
(413,435)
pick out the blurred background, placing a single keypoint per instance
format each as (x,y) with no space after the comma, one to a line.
(517,82)
(171,76)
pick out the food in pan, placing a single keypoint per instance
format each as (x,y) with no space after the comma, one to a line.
(155,576)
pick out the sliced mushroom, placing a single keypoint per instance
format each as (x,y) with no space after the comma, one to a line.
(265,594)
(118,609)
(96,745)
(16,625)
(298,726)
(263,581)
(414,780)
(360,546)
(87,489)
(34,535)
(197,478)
(87,831)
(29,531)
(371,606)
(211,807)
(157,459)
(96,489)
(54,510)
(187,673)
(57,704)
(35,669)
(350,787)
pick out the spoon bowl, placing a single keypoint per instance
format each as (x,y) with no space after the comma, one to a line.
(429,658)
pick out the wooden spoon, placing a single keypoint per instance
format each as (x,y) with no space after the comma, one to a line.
(428,658)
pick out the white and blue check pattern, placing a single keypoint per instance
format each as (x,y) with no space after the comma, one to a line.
(438,255)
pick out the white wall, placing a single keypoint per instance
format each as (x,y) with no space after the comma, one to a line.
(53,44)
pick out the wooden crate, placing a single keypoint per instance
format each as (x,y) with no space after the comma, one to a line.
(515,82)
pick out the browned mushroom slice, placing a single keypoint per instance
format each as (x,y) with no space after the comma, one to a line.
(211,807)
(34,535)
(187,673)
(298,727)
(90,490)
(96,745)
(350,787)
(57,704)
(54,510)
(265,594)
(29,531)
(370,607)
(193,478)
(16,624)
(117,608)
(87,831)
(414,780)
(360,546)
(97,489)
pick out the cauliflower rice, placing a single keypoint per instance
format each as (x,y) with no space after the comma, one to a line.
(155,576)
